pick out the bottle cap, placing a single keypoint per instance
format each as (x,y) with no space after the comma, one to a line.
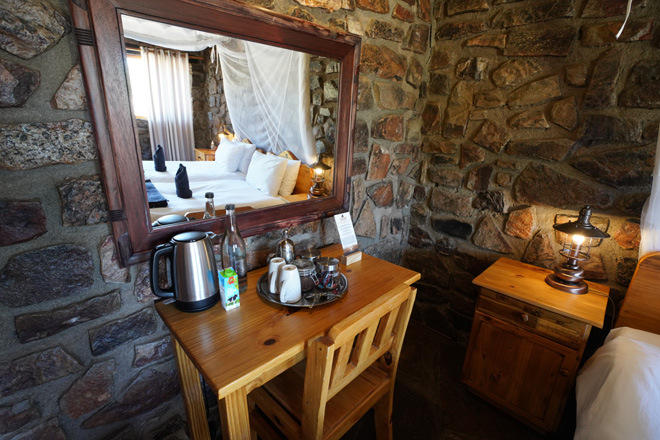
(208,195)
(228,272)
(230,206)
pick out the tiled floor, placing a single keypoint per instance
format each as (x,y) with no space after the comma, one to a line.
(431,403)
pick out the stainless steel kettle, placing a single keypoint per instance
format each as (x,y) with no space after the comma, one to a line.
(194,275)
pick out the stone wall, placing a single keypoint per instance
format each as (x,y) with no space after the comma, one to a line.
(453,164)
(534,109)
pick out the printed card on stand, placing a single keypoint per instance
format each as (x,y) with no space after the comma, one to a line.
(348,239)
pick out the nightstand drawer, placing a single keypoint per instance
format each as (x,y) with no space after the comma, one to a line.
(552,325)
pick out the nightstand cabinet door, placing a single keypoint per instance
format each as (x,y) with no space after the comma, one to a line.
(520,371)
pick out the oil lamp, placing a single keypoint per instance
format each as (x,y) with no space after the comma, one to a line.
(318,170)
(579,237)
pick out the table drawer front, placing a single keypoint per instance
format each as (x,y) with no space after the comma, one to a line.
(550,324)
(199,155)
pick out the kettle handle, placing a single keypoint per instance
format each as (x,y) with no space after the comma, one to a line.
(163,250)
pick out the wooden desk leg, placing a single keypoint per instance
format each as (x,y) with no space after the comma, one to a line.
(234,416)
(193,397)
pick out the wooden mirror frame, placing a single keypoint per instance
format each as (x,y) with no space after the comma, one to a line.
(98,32)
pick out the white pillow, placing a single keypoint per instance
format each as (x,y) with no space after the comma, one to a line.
(248,150)
(290,177)
(228,155)
(266,172)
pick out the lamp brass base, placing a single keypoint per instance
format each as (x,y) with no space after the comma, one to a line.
(578,287)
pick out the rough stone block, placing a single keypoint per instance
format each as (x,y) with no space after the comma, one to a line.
(491,201)
(492,136)
(365,225)
(417,38)
(520,223)
(404,194)
(444,177)
(403,14)
(621,168)
(489,99)
(415,72)
(453,31)
(642,89)
(379,163)
(609,8)
(388,127)
(399,166)
(379,6)
(458,110)
(600,129)
(540,252)
(48,430)
(489,236)
(91,391)
(419,238)
(529,119)
(576,75)
(452,203)
(38,325)
(17,26)
(554,41)
(28,146)
(601,92)
(147,391)
(71,94)
(440,59)
(17,83)
(13,417)
(21,221)
(110,269)
(536,92)
(423,10)
(36,369)
(474,68)
(431,118)
(384,30)
(628,235)
(455,228)
(455,7)
(83,201)
(625,269)
(471,154)
(515,71)
(565,113)
(536,12)
(594,269)
(381,194)
(541,185)
(392,96)
(383,62)
(478,178)
(112,334)
(46,274)
(497,40)
(602,34)
(546,149)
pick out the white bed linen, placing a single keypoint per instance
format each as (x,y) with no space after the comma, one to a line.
(618,389)
(205,176)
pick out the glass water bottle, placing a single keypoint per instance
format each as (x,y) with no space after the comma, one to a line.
(233,249)
(209,209)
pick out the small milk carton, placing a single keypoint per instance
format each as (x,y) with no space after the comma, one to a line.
(229,289)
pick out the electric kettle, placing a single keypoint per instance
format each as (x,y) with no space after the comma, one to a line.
(194,275)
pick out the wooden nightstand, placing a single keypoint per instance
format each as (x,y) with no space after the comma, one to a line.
(204,154)
(527,341)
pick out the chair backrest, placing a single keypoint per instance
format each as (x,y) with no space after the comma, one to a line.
(351,347)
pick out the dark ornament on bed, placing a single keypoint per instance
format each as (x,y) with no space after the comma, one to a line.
(182,183)
(159,159)
(155,198)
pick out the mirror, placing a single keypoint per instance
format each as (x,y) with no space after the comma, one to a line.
(192,91)
(100,35)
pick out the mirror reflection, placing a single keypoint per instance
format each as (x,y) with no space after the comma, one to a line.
(251,124)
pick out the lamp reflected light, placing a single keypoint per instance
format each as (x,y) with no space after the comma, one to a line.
(318,170)
(579,237)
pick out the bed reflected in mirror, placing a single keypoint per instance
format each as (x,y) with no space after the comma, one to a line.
(240,120)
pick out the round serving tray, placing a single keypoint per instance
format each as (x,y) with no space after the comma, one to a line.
(314,297)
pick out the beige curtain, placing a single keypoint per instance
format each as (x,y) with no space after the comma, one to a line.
(170,109)
(650,239)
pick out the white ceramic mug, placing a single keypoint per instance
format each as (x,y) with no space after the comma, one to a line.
(289,284)
(274,268)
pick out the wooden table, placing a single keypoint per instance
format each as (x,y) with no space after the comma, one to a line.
(241,349)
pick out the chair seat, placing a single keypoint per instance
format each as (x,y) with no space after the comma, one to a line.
(353,401)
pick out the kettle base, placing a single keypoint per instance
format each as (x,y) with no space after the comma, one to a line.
(197,306)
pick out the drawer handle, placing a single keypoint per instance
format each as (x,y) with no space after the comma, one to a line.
(524,317)
(564,372)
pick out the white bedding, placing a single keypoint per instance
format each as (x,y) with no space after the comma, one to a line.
(204,176)
(618,389)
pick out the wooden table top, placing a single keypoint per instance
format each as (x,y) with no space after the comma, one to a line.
(527,283)
(231,348)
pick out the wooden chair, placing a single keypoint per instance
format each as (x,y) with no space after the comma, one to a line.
(348,371)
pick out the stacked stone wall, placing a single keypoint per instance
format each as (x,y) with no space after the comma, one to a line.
(534,110)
